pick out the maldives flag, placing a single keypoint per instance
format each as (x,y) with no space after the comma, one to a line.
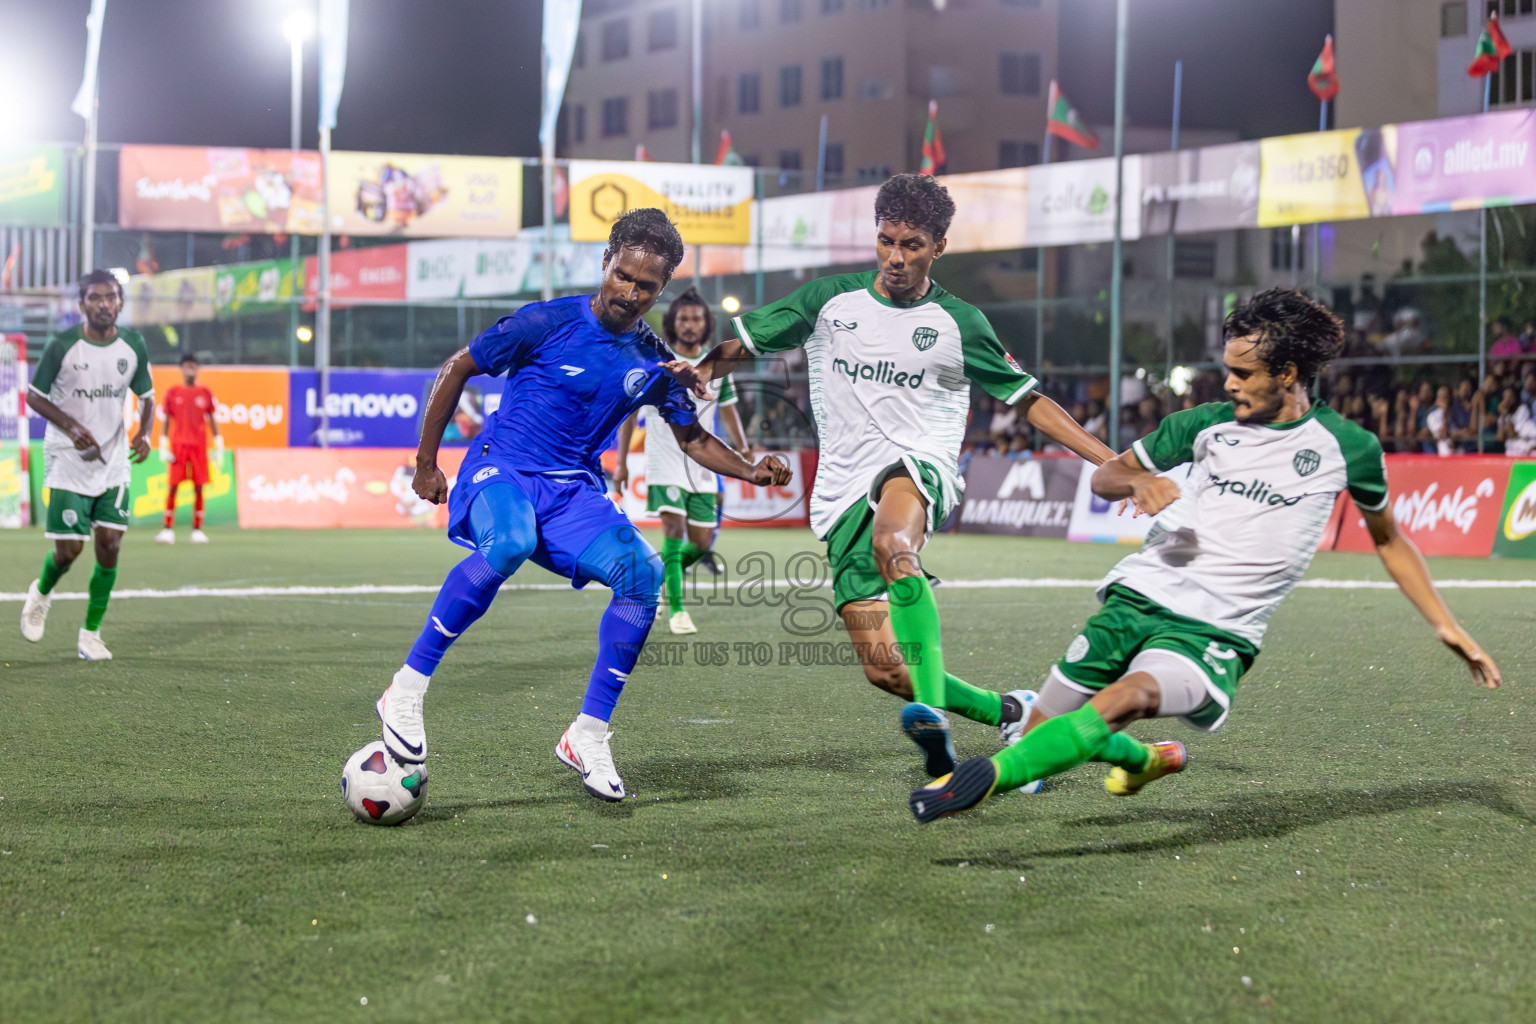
(726,155)
(1062,121)
(1492,48)
(933,143)
(642,155)
(1324,81)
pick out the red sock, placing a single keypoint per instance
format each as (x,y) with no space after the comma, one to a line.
(170,508)
(197,508)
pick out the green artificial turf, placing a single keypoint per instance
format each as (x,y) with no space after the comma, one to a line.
(1355,845)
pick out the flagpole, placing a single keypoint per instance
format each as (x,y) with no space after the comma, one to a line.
(821,155)
(1117,271)
(88,209)
(1317,251)
(1040,272)
(1482,275)
(1173,144)
(323,306)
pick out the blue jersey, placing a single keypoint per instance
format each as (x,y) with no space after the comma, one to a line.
(570,383)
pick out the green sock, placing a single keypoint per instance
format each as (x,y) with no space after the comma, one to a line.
(672,572)
(101,592)
(1123,751)
(691,553)
(984,706)
(50,574)
(1053,746)
(915,621)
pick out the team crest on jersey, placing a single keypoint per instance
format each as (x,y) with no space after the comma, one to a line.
(70,517)
(1079,649)
(924,338)
(634,382)
(1307,461)
(122,366)
(674,494)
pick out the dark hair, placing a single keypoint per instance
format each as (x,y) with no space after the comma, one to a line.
(691,297)
(188,358)
(96,277)
(1288,327)
(916,200)
(649,229)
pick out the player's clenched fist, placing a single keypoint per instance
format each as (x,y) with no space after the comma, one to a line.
(430,483)
(771,471)
(1153,493)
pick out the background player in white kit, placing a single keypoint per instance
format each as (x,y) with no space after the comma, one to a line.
(81,383)
(683,493)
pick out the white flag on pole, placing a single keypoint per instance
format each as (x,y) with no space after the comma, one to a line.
(86,97)
(561,20)
(333,58)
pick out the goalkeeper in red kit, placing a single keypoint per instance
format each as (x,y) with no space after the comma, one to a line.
(184,447)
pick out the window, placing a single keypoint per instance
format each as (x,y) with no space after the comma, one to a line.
(1279,250)
(580,57)
(751,160)
(1019,74)
(875,89)
(875,173)
(832,78)
(616,39)
(1510,8)
(661,108)
(789,11)
(615,116)
(789,86)
(661,30)
(789,159)
(1193,258)
(579,123)
(834,161)
(1017,153)
(1453,20)
(1512,83)
(749,15)
(831,6)
(748,88)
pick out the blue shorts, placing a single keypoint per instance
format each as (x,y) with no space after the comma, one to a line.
(571,513)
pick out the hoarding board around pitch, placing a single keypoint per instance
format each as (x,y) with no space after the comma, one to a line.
(424,196)
(710,205)
(1019,497)
(1210,189)
(196,188)
(1516,536)
(31,186)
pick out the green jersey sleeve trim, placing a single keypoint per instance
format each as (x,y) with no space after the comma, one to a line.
(1365,466)
(49,362)
(727,393)
(987,362)
(143,384)
(788,323)
(1173,442)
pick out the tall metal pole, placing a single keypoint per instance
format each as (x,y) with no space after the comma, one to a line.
(323,308)
(1482,277)
(547,187)
(1117,272)
(296,96)
(88,197)
(1317,247)
(696,25)
(821,155)
(1173,144)
(1040,276)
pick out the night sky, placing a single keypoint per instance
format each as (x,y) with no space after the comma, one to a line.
(461,76)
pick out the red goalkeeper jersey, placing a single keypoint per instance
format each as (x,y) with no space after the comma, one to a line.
(187,409)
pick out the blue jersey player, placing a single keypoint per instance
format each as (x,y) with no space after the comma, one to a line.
(531,487)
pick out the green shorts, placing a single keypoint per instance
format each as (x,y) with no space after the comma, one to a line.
(697,507)
(72,515)
(1128,624)
(851,541)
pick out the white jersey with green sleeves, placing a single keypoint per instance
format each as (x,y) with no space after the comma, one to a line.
(665,463)
(1252,512)
(91,381)
(886,380)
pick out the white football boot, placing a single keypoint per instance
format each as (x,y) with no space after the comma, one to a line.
(682,624)
(166,536)
(90,647)
(199,537)
(34,613)
(1012,732)
(403,728)
(588,753)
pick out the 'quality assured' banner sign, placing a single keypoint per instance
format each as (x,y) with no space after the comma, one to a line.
(250,402)
(1447,506)
(195,188)
(1019,497)
(31,186)
(313,488)
(412,195)
(710,205)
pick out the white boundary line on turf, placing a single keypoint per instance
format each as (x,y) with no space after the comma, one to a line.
(1010,583)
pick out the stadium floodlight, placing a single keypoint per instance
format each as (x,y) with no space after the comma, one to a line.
(298,27)
(731,304)
(304,334)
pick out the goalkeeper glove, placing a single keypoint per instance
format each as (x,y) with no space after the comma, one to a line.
(218,449)
(165,452)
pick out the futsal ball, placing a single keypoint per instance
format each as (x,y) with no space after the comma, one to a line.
(379,789)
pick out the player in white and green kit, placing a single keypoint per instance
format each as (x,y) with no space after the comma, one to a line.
(681,492)
(1183,618)
(81,384)
(892,358)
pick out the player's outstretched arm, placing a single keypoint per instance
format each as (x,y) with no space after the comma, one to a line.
(1057,424)
(621,465)
(84,440)
(722,359)
(712,453)
(1125,477)
(1406,566)
(430,483)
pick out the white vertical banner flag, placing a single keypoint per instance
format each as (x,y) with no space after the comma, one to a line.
(86,97)
(333,58)
(561,20)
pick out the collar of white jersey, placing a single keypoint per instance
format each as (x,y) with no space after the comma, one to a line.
(934,291)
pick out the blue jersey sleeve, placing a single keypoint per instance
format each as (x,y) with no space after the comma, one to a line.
(672,400)
(508,344)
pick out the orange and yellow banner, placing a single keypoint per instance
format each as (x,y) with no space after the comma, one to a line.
(710,205)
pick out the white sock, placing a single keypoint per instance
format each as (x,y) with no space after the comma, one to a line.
(409,679)
(595,727)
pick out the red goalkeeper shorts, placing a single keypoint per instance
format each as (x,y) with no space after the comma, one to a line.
(191,464)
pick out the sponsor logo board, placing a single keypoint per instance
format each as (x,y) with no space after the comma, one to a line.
(315,488)
(1445,506)
(1018,497)
(1516,535)
(250,402)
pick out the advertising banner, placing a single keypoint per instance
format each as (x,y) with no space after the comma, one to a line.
(412,195)
(151,482)
(315,488)
(1094,519)
(194,188)
(709,204)
(250,402)
(1316,177)
(1019,497)
(796,232)
(1516,535)
(15,488)
(1446,506)
(374,273)
(1074,202)
(744,504)
(454,268)
(259,287)
(32,186)
(1463,163)
(172,297)
(383,408)
(1214,188)
(995,205)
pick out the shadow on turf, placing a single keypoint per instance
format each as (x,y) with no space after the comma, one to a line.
(1259,816)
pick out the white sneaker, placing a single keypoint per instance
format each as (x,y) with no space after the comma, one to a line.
(34,613)
(166,536)
(682,624)
(404,730)
(590,755)
(1012,732)
(90,647)
(199,537)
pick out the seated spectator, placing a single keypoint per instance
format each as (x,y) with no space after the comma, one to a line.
(1381,421)
(1340,394)
(1436,432)
(1356,411)
(1409,335)
(1517,424)
(1463,407)
(1505,344)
